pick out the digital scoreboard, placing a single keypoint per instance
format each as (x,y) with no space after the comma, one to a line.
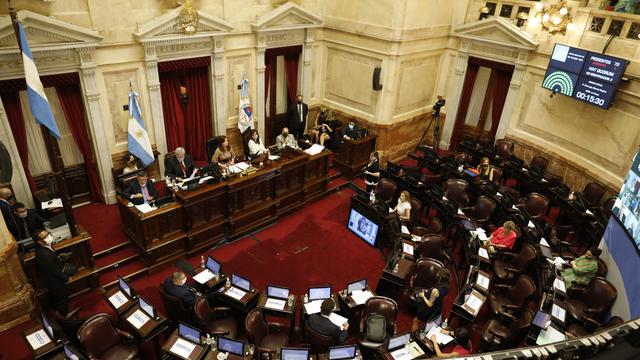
(584,75)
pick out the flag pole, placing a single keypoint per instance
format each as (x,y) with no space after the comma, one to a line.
(53,150)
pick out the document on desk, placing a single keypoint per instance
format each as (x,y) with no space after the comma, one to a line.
(482,236)
(204,179)
(558,284)
(38,339)
(52,204)
(482,252)
(235,293)
(550,335)
(473,303)
(276,304)
(460,212)
(482,282)
(274,157)
(407,248)
(530,224)
(441,338)
(204,276)
(314,149)
(145,208)
(558,312)
(138,319)
(313,307)
(118,299)
(338,320)
(238,168)
(182,348)
(544,242)
(405,230)
(416,238)
(360,296)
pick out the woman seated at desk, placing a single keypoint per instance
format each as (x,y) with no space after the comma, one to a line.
(131,164)
(255,145)
(462,346)
(484,170)
(582,269)
(429,301)
(403,208)
(503,237)
(223,156)
(321,129)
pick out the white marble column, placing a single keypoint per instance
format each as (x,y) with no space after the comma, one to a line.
(19,182)
(95,123)
(453,96)
(157,117)
(512,95)
(218,89)
(261,47)
(307,65)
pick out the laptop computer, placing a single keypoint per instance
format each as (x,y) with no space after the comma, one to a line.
(69,354)
(319,293)
(213,266)
(47,328)
(294,354)
(189,333)
(393,168)
(278,292)
(541,319)
(148,308)
(342,352)
(240,282)
(470,172)
(399,341)
(161,201)
(231,346)
(357,285)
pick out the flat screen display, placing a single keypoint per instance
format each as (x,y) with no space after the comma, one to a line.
(399,341)
(47,327)
(294,354)
(213,265)
(342,352)
(626,208)
(69,354)
(231,346)
(124,286)
(319,293)
(584,75)
(277,292)
(241,282)
(366,229)
(189,333)
(148,308)
(356,285)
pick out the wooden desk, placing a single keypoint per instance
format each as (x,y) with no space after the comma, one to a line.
(45,351)
(213,354)
(197,353)
(82,256)
(304,315)
(150,329)
(245,304)
(354,154)
(392,282)
(289,312)
(384,354)
(212,285)
(124,307)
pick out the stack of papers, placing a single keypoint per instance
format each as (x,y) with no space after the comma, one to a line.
(407,248)
(52,204)
(138,319)
(544,242)
(313,307)
(558,284)
(442,339)
(482,235)
(235,293)
(38,339)
(182,348)
(204,179)
(238,168)
(274,157)
(402,354)
(204,276)
(277,304)
(416,238)
(145,208)
(118,299)
(550,335)
(314,149)
(360,296)
(338,320)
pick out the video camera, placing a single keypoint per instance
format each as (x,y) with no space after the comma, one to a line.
(439,104)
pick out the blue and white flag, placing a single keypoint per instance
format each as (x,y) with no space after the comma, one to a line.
(37,99)
(139,143)
(245,112)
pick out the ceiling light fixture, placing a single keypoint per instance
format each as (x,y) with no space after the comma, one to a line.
(553,18)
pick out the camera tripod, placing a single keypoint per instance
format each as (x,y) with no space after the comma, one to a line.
(435,121)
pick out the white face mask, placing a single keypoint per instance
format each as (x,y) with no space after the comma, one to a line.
(48,240)
(22,215)
(350,126)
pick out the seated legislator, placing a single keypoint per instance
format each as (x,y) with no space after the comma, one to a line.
(223,156)
(25,222)
(321,129)
(50,270)
(503,237)
(286,139)
(179,166)
(175,285)
(141,191)
(429,301)
(484,170)
(403,208)
(131,164)
(255,145)
(320,323)
(462,346)
(582,269)
(350,131)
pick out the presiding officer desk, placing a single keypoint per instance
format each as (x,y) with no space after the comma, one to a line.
(202,217)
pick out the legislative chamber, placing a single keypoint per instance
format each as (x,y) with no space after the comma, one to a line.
(320,179)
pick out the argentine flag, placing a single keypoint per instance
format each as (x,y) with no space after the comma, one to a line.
(139,144)
(37,99)
(245,112)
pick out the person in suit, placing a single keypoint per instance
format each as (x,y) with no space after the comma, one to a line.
(322,325)
(50,272)
(286,139)
(179,166)
(24,222)
(140,191)
(350,131)
(6,203)
(175,285)
(297,117)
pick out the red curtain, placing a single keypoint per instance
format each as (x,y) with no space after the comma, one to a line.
(291,70)
(465,97)
(198,112)
(267,77)
(172,109)
(12,107)
(500,89)
(71,103)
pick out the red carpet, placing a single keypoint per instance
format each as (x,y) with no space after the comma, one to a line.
(103,223)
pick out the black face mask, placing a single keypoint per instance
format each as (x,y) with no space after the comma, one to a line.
(299,101)
(285,134)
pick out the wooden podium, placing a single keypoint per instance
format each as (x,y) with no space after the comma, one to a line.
(354,155)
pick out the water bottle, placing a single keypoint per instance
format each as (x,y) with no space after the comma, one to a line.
(372,196)
(202,261)
(396,268)
(460,167)
(306,298)
(208,341)
(228,284)
(290,300)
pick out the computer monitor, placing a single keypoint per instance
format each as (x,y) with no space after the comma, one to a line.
(231,346)
(294,354)
(357,285)
(241,282)
(319,293)
(213,265)
(342,352)
(189,333)
(363,227)
(399,341)
(124,286)
(69,354)
(393,168)
(277,292)
(147,308)
(47,327)
(541,319)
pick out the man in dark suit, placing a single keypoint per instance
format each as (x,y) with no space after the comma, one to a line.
(24,222)
(179,166)
(322,325)
(297,117)
(140,191)
(6,203)
(50,271)
(350,131)
(175,285)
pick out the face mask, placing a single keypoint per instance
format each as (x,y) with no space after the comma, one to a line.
(48,240)
(350,126)
(22,215)
(180,159)
(184,281)
(299,101)
(285,134)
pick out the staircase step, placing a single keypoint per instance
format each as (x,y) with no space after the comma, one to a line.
(129,270)
(337,182)
(116,259)
(110,250)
